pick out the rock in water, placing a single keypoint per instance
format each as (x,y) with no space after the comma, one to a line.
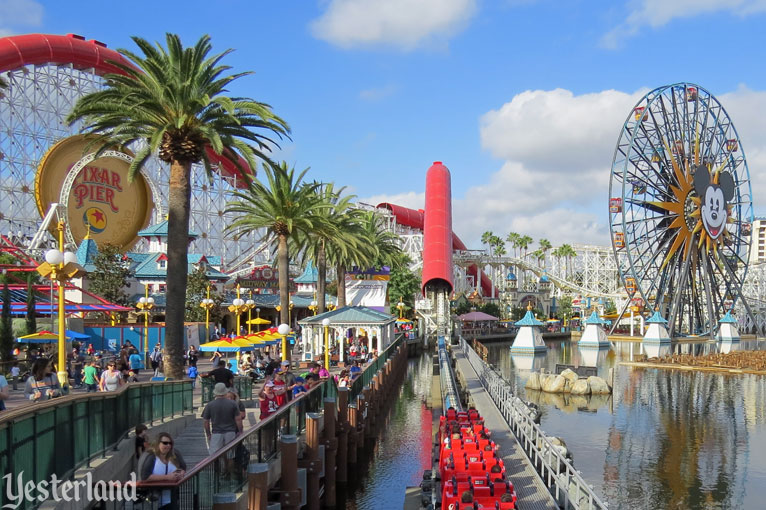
(555,384)
(598,386)
(581,387)
(533,383)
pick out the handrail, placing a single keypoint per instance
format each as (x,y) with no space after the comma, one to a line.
(372,368)
(225,469)
(447,378)
(59,436)
(571,490)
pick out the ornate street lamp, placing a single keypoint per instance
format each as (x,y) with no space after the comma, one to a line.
(145,304)
(400,306)
(61,266)
(326,324)
(250,304)
(283,330)
(238,307)
(314,306)
(207,304)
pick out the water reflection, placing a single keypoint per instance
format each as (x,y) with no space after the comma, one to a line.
(528,362)
(592,357)
(665,438)
(656,350)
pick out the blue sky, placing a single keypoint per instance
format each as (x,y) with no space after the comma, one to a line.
(522,100)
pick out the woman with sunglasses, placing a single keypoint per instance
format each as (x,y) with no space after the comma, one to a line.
(164,464)
(111,379)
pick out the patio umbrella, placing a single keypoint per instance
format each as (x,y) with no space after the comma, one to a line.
(74,335)
(41,337)
(263,338)
(258,320)
(227,345)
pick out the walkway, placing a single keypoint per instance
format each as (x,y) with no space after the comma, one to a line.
(531,491)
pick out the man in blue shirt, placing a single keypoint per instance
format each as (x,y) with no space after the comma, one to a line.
(136,361)
(355,369)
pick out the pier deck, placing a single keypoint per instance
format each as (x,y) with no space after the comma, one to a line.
(531,491)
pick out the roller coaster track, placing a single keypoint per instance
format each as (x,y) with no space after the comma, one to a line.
(464,258)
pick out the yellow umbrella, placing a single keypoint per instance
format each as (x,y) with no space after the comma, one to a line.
(227,345)
(258,320)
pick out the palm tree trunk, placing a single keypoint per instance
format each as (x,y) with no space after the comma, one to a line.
(283,261)
(179,198)
(321,276)
(341,270)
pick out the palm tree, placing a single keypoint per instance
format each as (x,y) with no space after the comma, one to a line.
(173,101)
(486,238)
(524,242)
(568,253)
(335,235)
(558,254)
(286,209)
(513,238)
(545,245)
(377,247)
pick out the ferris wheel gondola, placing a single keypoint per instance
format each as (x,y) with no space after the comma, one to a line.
(681,233)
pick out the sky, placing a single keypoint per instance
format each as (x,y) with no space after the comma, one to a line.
(523,100)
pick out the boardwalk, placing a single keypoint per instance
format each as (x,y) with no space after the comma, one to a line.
(532,493)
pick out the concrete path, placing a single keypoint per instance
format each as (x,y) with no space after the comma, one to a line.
(531,491)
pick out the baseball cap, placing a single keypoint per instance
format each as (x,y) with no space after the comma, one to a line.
(285,363)
(269,384)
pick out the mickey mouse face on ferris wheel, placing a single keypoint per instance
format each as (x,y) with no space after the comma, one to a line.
(714,199)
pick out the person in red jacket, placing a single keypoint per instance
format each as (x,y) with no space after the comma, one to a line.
(268,401)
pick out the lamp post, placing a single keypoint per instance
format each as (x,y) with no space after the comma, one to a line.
(250,304)
(313,306)
(208,305)
(326,325)
(283,330)
(61,266)
(238,307)
(145,304)
(400,306)
(289,312)
(331,306)
(258,314)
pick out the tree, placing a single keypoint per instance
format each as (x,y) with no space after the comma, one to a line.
(523,243)
(6,325)
(110,276)
(486,237)
(286,209)
(545,245)
(173,100)
(403,284)
(196,291)
(31,319)
(491,309)
(565,307)
(513,238)
(334,234)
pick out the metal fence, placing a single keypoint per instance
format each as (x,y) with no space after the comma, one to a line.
(64,434)
(243,385)
(226,470)
(369,372)
(558,473)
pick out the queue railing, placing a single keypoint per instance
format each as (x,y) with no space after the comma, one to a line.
(557,472)
(372,368)
(61,435)
(226,470)
(243,385)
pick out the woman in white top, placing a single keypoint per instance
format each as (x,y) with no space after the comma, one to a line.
(111,379)
(164,464)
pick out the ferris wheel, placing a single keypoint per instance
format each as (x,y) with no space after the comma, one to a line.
(680,208)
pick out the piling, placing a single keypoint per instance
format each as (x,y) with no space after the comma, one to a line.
(353,417)
(331,447)
(290,494)
(361,409)
(312,463)
(342,455)
(257,486)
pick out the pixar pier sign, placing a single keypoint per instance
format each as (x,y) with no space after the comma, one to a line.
(100,200)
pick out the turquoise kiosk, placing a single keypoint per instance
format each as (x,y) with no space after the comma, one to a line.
(528,340)
(728,334)
(656,340)
(594,335)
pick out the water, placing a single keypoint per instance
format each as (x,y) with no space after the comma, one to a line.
(665,438)
(403,448)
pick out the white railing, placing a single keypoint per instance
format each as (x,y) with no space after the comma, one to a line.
(565,483)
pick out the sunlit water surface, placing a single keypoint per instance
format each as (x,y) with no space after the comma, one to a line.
(665,438)
(403,449)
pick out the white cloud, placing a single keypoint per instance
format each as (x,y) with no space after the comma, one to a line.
(657,13)
(556,131)
(15,13)
(408,199)
(404,24)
